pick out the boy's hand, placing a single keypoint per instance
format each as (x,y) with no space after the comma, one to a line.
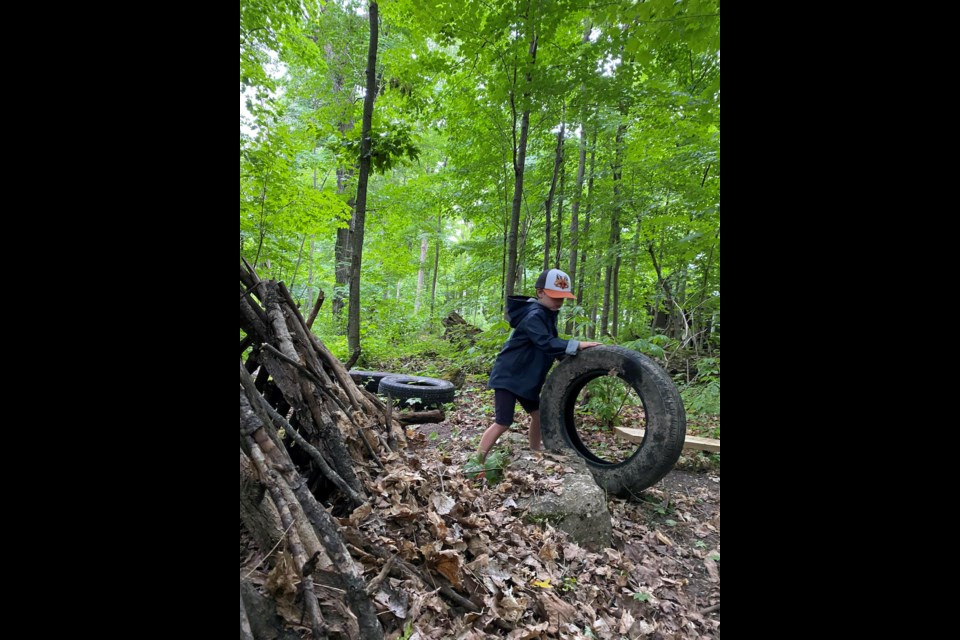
(587,345)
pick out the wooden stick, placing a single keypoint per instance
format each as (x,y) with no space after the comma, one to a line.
(320,386)
(420,417)
(317,623)
(246,633)
(374,584)
(315,455)
(316,309)
(326,529)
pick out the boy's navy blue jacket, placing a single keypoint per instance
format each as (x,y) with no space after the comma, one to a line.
(525,359)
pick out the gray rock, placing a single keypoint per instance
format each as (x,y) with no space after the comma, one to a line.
(581,510)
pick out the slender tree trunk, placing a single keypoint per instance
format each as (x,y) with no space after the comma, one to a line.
(615,286)
(557,163)
(342,257)
(423,261)
(664,285)
(575,214)
(592,333)
(506,231)
(703,287)
(353,316)
(563,180)
(519,159)
(575,223)
(634,262)
(613,264)
(263,221)
(344,240)
(313,248)
(296,268)
(436,264)
(577,195)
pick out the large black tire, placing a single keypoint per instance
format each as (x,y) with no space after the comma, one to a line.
(666,419)
(429,390)
(369,379)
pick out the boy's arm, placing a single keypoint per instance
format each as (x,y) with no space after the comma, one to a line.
(539,333)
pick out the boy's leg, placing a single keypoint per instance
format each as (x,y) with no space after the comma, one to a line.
(534,433)
(504,405)
(533,408)
(490,438)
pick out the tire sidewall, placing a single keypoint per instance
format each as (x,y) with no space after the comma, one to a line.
(665,416)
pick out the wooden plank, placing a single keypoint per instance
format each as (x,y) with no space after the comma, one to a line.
(690,442)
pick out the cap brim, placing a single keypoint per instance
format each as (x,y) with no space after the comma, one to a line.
(559,294)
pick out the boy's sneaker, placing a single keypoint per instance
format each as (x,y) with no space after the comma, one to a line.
(475,467)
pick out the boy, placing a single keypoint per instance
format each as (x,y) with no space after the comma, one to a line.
(521,368)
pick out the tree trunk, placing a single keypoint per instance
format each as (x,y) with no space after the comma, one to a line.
(341,270)
(577,195)
(519,159)
(313,248)
(575,223)
(563,182)
(423,261)
(592,329)
(353,315)
(436,264)
(344,240)
(557,163)
(610,311)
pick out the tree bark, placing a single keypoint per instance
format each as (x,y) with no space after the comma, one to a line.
(575,222)
(557,163)
(592,329)
(353,314)
(610,287)
(563,183)
(420,273)
(519,160)
(344,239)
(436,264)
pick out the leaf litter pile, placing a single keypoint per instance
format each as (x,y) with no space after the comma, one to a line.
(448,556)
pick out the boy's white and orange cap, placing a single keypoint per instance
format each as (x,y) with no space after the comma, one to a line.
(555,283)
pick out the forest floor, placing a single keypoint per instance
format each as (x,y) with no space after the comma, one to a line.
(669,539)
(660,579)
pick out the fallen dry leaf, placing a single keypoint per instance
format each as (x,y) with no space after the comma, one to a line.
(664,539)
(553,609)
(512,608)
(442,503)
(437,525)
(360,513)
(548,551)
(711,566)
(447,563)
(528,632)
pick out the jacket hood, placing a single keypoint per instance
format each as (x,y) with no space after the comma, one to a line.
(519,307)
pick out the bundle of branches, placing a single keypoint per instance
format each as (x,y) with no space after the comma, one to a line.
(318,455)
(308,435)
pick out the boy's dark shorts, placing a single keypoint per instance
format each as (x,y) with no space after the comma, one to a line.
(505,405)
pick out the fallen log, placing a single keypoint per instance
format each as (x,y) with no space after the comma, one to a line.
(420,417)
